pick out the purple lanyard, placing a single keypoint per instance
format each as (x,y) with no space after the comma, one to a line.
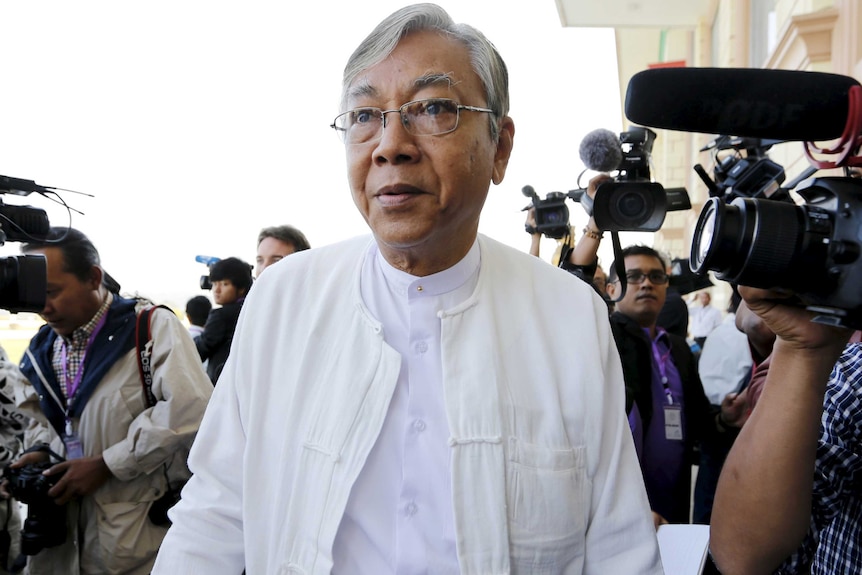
(661,360)
(72,386)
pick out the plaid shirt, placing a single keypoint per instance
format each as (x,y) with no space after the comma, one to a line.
(834,543)
(76,347)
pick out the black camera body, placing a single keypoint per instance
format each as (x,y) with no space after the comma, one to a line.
(552,214)
(205,281)
(22,278)
(45,525)
(812,249)
(631,201)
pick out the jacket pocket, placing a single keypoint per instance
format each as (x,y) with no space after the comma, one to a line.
(547,495)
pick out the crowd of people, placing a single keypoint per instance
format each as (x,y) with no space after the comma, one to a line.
(430,407)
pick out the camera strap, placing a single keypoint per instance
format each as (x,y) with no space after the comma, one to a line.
(619,265)
(144,343)
(44,448)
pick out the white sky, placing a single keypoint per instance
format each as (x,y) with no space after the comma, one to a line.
(194,124)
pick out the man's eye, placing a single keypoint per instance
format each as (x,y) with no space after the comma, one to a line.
(437,107)
(363,116)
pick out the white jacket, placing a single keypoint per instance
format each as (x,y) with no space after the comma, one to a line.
(544,473)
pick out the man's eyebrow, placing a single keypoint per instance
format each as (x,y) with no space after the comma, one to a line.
(431,79)
(364,89)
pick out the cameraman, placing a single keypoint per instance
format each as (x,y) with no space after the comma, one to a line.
(771,513)
(231,280)
(84,395)
(669,414)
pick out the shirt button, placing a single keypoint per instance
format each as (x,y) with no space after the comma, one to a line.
(422,347)
(419,425)
(411,509)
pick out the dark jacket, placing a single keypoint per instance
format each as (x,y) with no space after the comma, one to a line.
(112,342)
(636,356)
(214,342)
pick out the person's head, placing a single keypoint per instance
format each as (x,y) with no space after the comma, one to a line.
(74,276)
(231,280)
(600,279)
(276,242)
(420,176)
(646,278)
(197,310)
(704,298)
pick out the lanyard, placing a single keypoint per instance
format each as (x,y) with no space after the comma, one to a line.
(72,386)
(661,362)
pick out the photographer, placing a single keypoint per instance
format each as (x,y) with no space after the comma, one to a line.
(771,513)
(669,414)
(85,399)
(231,280)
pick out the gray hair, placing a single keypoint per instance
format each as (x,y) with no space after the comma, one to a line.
(486,61)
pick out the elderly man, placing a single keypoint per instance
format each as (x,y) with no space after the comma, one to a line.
(416,410)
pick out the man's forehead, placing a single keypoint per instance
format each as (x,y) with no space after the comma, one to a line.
(638,261)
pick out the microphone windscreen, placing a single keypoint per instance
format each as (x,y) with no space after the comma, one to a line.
(749,102)
(600,150)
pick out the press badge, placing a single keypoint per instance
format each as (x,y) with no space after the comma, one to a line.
(673,422)
(74,449)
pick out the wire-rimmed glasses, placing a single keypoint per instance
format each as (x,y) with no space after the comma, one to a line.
(428,117)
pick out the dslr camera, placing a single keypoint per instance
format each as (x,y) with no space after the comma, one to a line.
(45,525)
(750,231)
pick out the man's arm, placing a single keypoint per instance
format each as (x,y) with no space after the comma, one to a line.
(763,502)
(207,531)
(182,390)
(214,334)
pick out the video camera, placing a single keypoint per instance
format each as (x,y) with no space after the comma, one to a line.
(205,282)
(22,278)
(743,234)
(629,202)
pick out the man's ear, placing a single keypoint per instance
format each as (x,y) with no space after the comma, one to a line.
(504,149)
(95,277)
(611,290)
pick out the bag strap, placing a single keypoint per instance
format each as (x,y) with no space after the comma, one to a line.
(144,344)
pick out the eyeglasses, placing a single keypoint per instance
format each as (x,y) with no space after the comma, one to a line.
(656,277)
(430,117)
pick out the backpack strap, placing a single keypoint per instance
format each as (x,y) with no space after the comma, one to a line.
(144,344)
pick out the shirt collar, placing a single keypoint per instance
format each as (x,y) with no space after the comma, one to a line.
(435,284)
(84,332)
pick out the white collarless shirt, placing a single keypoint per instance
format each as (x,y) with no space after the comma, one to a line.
(399,516)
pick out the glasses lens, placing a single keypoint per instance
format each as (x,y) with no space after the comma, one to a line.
(430,117)
(655,277)
(359,125)
(658,278)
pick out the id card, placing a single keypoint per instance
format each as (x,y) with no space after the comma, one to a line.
(673,422)
(74,449)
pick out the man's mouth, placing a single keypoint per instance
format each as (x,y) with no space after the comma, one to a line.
(396,195)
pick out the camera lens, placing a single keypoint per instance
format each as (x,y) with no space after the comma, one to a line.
(631,205)
(751,242)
